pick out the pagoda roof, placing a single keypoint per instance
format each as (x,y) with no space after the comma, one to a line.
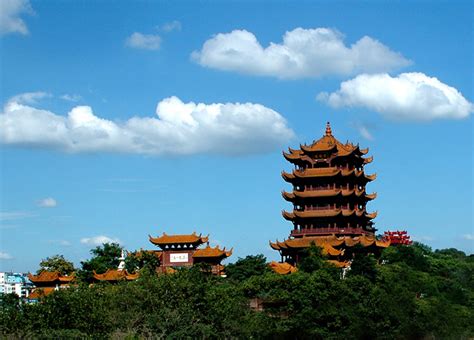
(290,196)
(327,213)
(115,275)
(305,242)
(212,252)
(325,172)
(178,239)
(40,292)
(47,276)
(325,144)
(282,268)
(331,242)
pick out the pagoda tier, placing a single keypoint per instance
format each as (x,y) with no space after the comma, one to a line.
(329,193)
(336,248)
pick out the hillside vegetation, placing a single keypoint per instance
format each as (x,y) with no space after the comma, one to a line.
(416,293)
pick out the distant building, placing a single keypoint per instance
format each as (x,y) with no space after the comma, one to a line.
(17,283)
(329,201)
(399,237)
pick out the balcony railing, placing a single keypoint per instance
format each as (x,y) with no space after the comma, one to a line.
(326,231)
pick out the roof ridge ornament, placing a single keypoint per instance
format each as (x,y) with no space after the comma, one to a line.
(328,129)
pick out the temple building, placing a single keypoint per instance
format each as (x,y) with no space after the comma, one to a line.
(47,282)
(329,200)
(184,251)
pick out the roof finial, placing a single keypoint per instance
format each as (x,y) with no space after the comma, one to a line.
(328,129)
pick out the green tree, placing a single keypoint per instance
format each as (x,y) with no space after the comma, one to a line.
(106,256)
(140,260)
(365,265)
(56,263)
(247,267)
(313,259)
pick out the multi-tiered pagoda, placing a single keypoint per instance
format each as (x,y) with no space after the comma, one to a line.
(329,198)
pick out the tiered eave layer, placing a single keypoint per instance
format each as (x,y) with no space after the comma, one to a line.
(290,216)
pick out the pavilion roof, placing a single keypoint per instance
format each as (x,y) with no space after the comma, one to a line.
(212,252)
(40,292)
(178,239)
(282,268)
(115,275)
(47,276)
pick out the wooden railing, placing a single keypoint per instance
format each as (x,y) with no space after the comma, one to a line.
(325,231)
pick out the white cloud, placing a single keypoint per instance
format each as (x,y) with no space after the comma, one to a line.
(14,215)
(174,25)
(71,97)
(177,129)
(365,132)
(304,53)
(10,11)
(63,243)
(99,240)
(144,41)
(469,237)
(5,256)
(409,96)
(29,97)
(48,202)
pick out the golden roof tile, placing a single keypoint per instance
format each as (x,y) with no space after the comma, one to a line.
(46,276)
(212,252)
(282,268)
(115,275)
(178,239)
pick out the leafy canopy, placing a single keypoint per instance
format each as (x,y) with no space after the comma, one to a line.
(56,263)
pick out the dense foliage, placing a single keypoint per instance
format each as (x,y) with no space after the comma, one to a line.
(106,256)
(56,263)
(416,293)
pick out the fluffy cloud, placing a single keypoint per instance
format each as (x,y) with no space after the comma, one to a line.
(48,202)
(178,128)
(144,41)
(5,256)
(98,240)
(409,96)
(303,53)
(10,11)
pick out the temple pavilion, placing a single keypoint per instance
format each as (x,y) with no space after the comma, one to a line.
(185,250)
(329,200)
(47,282)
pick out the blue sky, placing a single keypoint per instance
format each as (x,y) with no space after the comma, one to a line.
(120,120)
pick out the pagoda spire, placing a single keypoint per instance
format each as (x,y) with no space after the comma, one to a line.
(328,129)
